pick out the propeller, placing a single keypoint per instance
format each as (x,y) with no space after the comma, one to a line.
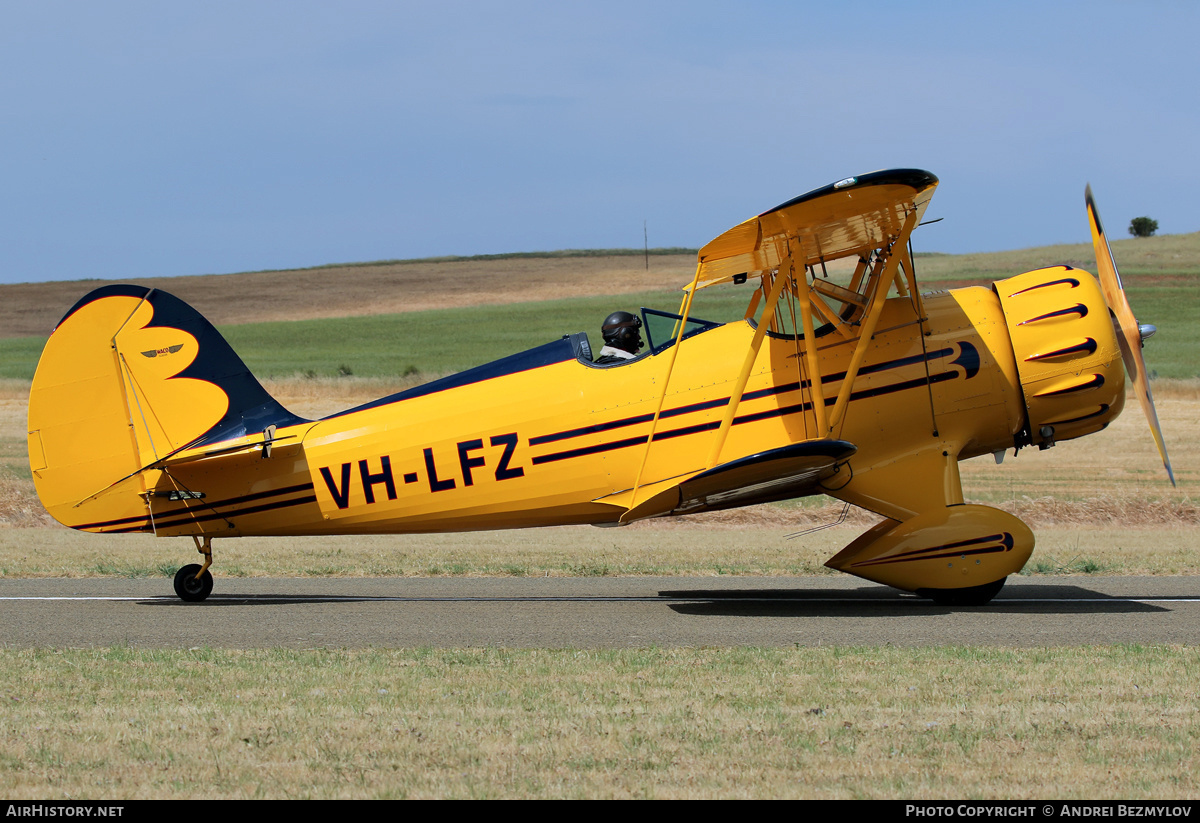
(1130,335)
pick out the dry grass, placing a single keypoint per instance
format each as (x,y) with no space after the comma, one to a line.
(19,506)
(687,548)
(28,309)
(317,397)
(1165,257)
(1114,472)
(940,723)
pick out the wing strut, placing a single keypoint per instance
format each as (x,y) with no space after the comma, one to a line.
(919,307)
(882,284)
(781,277)
(910,272)
(815,389)
(684,310)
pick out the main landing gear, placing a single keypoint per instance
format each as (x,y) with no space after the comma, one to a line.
(193,582)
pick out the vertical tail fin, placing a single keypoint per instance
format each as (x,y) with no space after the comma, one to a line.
(129,376)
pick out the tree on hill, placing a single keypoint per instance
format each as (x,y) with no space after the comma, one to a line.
(1143,227)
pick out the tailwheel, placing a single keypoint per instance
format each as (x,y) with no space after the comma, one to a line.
(193,582)
(969,596)
(191,587)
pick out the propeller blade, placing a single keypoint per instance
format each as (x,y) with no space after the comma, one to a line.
(1130,337)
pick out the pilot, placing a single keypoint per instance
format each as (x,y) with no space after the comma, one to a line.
(621,338)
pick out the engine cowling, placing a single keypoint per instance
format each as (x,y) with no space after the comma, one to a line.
(1068,358)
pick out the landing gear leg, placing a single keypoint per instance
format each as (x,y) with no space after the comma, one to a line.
(193,582)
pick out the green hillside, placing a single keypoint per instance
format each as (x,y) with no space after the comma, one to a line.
(1162,278)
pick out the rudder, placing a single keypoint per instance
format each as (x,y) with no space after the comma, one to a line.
(130,376)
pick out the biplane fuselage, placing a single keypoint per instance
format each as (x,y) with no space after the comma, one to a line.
(877,412)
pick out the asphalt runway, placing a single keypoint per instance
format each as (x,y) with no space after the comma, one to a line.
(588,613)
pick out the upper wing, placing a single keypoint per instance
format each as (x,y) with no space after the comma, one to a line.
(849,217)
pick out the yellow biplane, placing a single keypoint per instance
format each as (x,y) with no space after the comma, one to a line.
(842,379)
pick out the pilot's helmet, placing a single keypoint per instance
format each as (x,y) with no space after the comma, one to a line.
(620,330)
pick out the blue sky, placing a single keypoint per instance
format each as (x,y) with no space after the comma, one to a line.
(150,138)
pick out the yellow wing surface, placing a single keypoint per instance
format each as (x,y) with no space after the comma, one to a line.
(850,217)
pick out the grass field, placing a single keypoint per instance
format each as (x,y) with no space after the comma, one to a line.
(441,341)
(431,342)
(835,723)
(435,318)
